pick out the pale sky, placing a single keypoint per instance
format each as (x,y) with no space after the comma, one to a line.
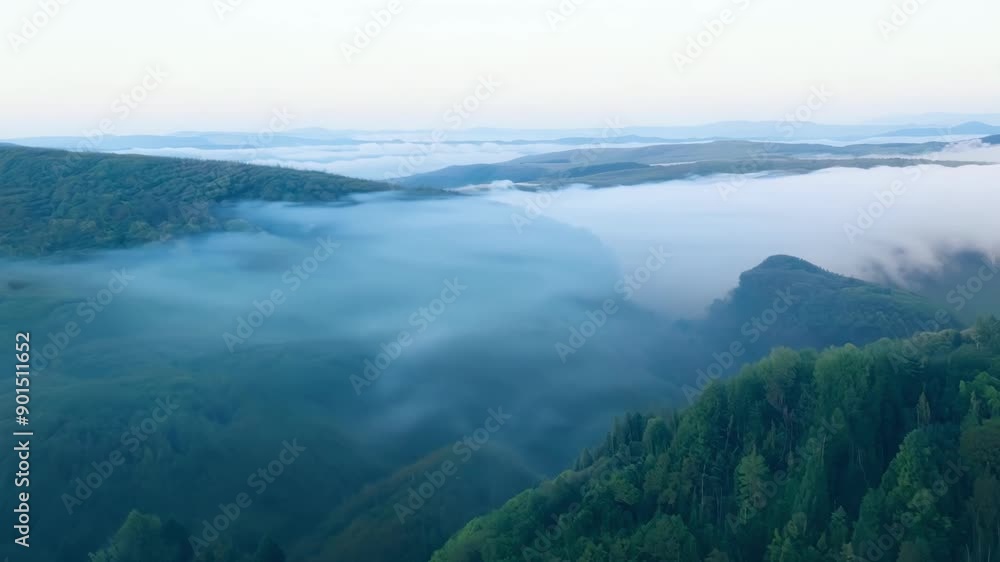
(610,59)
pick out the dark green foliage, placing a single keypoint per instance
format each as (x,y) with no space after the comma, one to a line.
(988,333)
(823,309)
(143,538)
(710,468)
(53,201)
(803,457)
(387,520)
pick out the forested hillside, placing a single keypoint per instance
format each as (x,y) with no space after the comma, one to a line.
(53,201)
(887,452)
(690,473)
(813,307)
(347,488)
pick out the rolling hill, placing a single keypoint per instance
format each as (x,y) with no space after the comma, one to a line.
(887,452)
(824,309)
(601,167)
(56,202)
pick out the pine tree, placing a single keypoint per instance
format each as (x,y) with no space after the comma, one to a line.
(923,411)
(751,474)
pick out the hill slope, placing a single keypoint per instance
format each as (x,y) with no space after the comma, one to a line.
(349,486)
(616,166)
(53,201)
(787,301)
(883,453)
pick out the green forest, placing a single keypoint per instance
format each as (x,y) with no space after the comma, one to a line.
(59,202)
(347,489)
(886,452)
(865,426)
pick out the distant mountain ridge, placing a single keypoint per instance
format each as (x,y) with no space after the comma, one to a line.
(608,166)
(313,136)
(970,128)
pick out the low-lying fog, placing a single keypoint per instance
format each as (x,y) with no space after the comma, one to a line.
(461,302)
(456,310)
(376,160)
(851,221)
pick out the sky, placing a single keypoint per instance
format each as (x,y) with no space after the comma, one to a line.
(231,64)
